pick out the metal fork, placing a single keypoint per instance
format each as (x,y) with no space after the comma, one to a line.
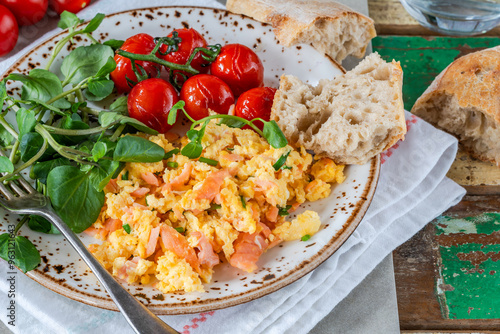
(23,199)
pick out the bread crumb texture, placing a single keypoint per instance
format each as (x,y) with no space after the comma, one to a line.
(331,28)
(464,100)
(351,118)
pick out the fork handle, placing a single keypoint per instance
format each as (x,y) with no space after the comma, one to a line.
(138,316)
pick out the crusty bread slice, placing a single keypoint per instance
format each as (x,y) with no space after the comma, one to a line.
(351,118)
(464,100)
(330,27)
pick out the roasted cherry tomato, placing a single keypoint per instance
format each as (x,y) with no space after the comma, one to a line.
(73,6)
(203,92)
(8,30)
(139,44)
(27,12)
(150,102)
(255,103)
(239,67)
(190,40)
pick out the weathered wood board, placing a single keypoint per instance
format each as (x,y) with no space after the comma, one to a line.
(448,275)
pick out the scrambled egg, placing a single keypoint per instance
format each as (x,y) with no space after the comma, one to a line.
(168,222)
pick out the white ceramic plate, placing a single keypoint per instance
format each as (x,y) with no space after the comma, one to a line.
(64,272)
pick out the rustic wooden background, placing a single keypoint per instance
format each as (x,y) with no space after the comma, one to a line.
(448,275)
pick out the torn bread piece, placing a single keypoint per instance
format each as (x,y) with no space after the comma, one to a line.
(350,118)
(330,27)
(464,100)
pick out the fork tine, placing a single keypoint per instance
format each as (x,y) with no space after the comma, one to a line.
(21,181)
(6,192)
(16,188)
(27,186)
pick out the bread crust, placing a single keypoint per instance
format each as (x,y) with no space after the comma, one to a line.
(293,19)
(473,82)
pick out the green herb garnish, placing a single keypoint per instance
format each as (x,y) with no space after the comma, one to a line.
(172,164)
(180,229)
(243,203)
(208,161)
(281,161)
(125,176)
(170,153)
(305,237)
(215,206)
(127,229)
(284,211)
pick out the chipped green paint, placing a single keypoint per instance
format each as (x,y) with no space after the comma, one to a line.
(468,286)
(422,59)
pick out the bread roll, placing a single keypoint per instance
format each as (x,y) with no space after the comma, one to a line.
(351,118)
(330,27)
(464,100)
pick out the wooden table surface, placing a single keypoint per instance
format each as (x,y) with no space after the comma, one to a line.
(448,275)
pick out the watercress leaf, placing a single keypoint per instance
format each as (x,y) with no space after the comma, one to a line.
(94,23)
(26,120)
(107,118)
(114,43)
(85,61)
(99,150)
(192,150)
(202,130)
(3,93)
(273,135)
(68,20)
(98,89)
(75,106)
(232,122)
(27,256)
(193,135)
(41,170)
(40,224)
(71,123)
(6,165)
(4,246)
(101,175)
(5,137)
(107,68)
(30,144)
(41,85)
(73,197)
(120,105)
(281,161)
(137,149)
(49,106)
(172,115)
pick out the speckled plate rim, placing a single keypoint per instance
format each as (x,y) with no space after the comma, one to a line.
(298,272)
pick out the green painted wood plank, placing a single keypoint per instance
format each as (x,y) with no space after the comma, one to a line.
(468,285)
(422,59)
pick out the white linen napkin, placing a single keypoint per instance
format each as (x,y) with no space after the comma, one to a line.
(412,190)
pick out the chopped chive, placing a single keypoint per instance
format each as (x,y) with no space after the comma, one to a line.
(180,229)
(286,167)
(125,176)
(172,164)
(208,161)
(281,161)
(170,153)
(215,206)
(126,227)
(305,237)
(243,203)
(284,211)
(230,148)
